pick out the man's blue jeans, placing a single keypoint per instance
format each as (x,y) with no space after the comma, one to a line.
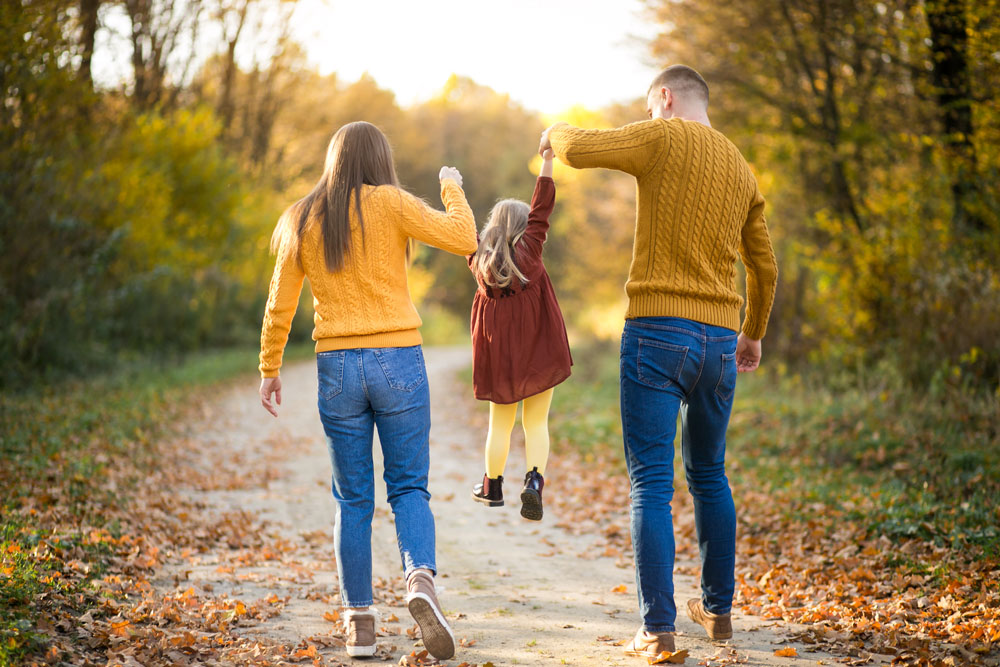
(672,366)
(360,390)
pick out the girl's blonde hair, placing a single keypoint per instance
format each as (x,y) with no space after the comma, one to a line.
(494,260)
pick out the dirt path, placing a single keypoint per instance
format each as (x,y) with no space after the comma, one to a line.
(516,592)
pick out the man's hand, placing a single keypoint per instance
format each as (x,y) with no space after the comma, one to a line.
(747,354)
(545,144)
(270,386)
(450,172)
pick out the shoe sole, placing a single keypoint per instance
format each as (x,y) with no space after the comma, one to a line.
(531,505)
(361,651)
(487,501)
(641,654)
(434,630)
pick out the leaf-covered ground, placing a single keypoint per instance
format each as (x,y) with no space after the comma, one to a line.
(88,472)
(867,520)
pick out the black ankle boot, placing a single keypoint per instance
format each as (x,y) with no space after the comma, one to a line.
(490,492)
(531,495)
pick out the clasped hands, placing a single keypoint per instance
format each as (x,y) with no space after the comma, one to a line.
(545,144)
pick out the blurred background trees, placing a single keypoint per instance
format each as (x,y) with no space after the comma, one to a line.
(135,220)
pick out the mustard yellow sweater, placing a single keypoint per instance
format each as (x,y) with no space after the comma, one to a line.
(698,208)
(367,303)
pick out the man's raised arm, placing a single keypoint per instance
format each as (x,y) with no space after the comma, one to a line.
(632,149)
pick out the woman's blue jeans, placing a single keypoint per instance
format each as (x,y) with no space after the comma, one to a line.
(360,390)
(672,366)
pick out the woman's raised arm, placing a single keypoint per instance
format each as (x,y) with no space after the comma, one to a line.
(454,230)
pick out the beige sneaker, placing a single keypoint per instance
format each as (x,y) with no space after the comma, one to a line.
(718,626)
(360,632)
(422,602)
(650,644)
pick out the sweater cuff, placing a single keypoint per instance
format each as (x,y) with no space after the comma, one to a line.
(558,148)
(272,373)
(754,330)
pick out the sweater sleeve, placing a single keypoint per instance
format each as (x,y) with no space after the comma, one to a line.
(762,270)
(632,149)
(282,301)
(453,231)
(542,202)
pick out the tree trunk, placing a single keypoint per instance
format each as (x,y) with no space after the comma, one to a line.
(948,23)
(226,109)
(139,15)
(88,24)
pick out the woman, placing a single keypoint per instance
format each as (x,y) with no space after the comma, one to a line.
(351,236)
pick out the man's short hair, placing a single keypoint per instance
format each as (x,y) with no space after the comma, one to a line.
(682,81)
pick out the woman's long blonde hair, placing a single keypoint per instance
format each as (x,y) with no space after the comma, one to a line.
(358,154)
(494,260)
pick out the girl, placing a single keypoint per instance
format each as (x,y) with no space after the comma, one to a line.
(519,345)
(350,237)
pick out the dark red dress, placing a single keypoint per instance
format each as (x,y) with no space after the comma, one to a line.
(519,343)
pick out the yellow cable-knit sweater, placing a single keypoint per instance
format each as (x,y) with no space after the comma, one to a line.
(698,206)
(367,303)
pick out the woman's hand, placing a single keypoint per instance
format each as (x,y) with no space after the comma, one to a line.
(270,386)
(450,172)
(747,354)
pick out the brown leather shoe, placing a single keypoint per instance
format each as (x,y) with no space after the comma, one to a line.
(650,644)
(360,632)
(490,492)
(718,626)
(421,600)
(531,495)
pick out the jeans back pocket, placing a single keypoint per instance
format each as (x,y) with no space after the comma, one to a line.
(660,364)
(330,372)
(403,366)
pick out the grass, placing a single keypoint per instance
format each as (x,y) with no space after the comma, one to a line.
(898,462)
(585,410)
(57,445)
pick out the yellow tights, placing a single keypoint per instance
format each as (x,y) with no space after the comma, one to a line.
(534,419)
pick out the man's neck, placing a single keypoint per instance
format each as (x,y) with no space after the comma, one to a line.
(697,116)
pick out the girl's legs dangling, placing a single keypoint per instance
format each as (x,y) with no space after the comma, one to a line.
(498,439)
(535,419)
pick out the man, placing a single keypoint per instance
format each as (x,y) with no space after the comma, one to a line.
(698,208)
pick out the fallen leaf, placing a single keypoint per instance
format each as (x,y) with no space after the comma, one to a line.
(675,658)
(304,653)
(787,652)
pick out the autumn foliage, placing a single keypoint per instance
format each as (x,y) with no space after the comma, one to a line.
(134,223)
